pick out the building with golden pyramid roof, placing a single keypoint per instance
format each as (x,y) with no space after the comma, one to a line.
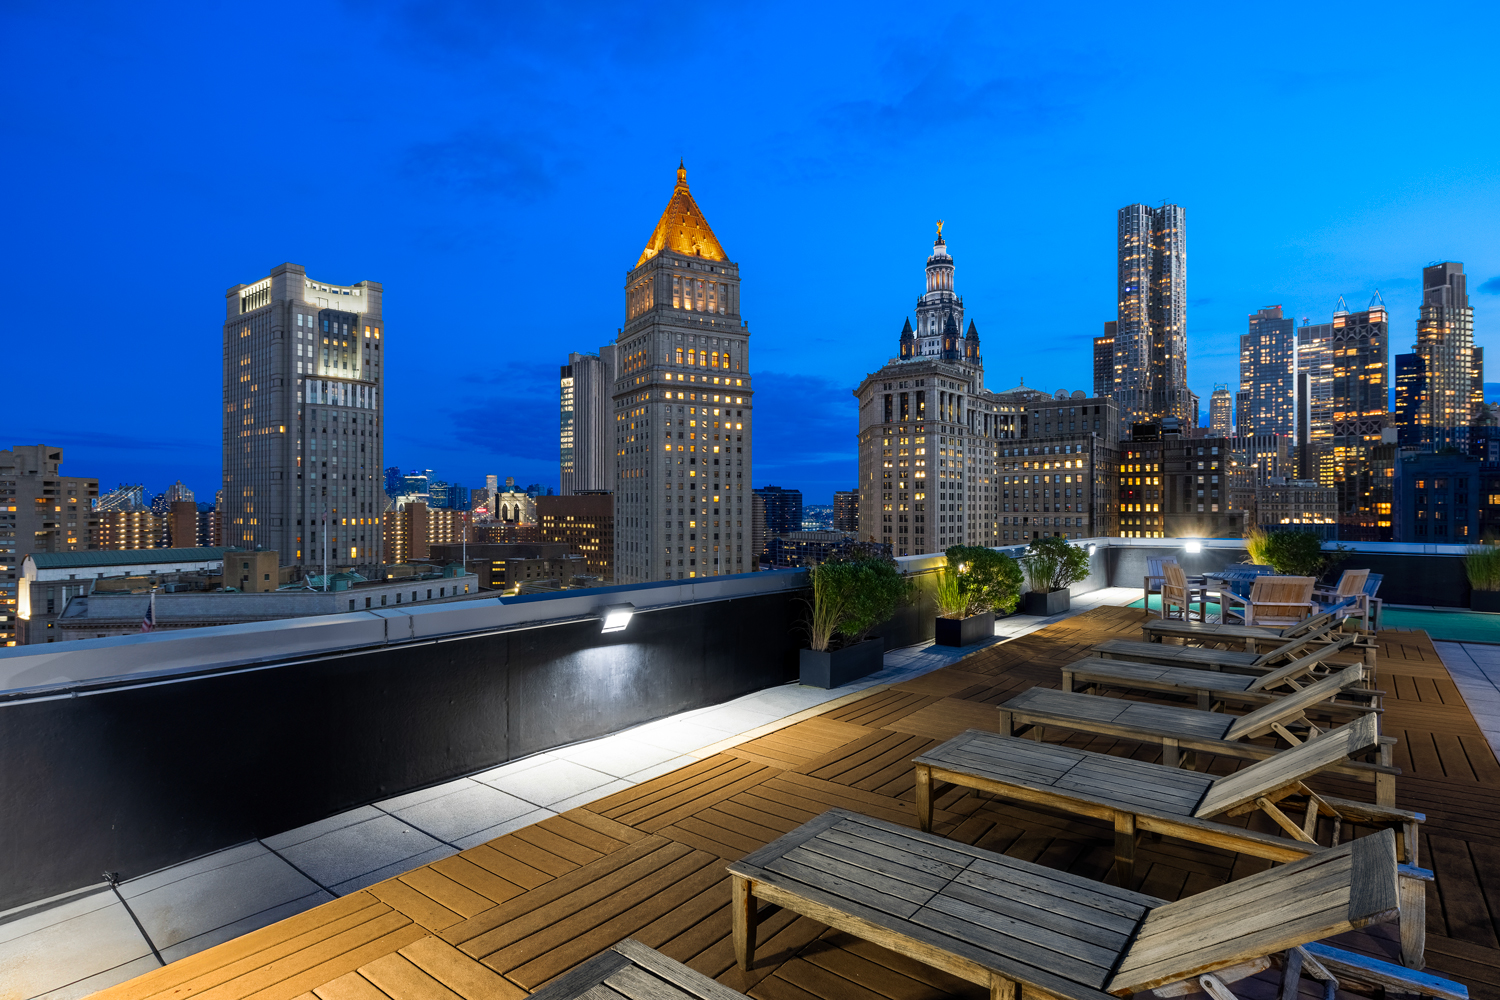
(682,228)
(682,412)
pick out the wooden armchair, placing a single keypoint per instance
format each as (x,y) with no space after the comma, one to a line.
(1350,598)
(1176,592)
(1273,600)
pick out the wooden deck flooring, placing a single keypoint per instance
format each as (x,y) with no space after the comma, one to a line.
(502,919)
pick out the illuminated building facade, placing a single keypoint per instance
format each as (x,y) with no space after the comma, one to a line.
(944,461)
(303,416)
(1343,378)
(1297,505)
(682,407)
(585,441)
(41,510)
(1268,383)
(1104,361)
(1221,412)
(846,510)
(1440,385)
(585,523)
(1149,349)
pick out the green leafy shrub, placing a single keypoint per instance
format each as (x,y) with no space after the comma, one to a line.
(978,580)
(851,597)
(1052,564)
(1482,562)
(1299,553)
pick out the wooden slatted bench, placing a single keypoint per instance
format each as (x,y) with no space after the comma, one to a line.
(1004,923)
(1251,638)
(1178,729)
(1350,650)
(1139,796)
(632,971)
(1345,697)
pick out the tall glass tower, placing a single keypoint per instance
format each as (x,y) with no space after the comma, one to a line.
(1150,343)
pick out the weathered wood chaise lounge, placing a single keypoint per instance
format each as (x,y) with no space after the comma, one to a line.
(1141,796)
(632,971)
(1325,642)
(1252,638)
(1018,928)
(1212,686)
(1180,730)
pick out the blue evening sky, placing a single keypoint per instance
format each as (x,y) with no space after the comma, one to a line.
(499,167)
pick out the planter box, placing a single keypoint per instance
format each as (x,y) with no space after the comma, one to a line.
(965,631)
(1054,602)
(1484,600)
(840,666)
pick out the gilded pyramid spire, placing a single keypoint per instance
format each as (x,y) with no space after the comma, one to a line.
(682,228)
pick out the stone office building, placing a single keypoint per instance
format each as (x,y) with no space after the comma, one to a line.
(303,416)
(682,415)
(943,461)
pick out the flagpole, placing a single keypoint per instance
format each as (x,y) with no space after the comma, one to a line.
(325,551)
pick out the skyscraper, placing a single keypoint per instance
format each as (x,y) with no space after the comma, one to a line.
(1104,361)
(1221,412)
(1268,365)
(1342,397)
(1443,386)
(846,510)
(1150,342)
(303,415)
(586,451)
(783,509)
(681,424)
(935,445)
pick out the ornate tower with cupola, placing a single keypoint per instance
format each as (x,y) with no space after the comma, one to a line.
(682,407)
(940,307)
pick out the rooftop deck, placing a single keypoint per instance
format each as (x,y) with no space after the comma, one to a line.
(502,919)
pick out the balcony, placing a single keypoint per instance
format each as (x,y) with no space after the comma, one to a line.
(483,797)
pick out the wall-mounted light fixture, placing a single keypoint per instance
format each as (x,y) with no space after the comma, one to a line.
(1092,550)
(1192,548)
(616,617)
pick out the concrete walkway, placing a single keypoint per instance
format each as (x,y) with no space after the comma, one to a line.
(100,935)
(1475,668)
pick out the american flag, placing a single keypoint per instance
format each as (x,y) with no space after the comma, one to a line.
(149,622)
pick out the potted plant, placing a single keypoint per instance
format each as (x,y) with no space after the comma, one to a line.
(976,583)
(849,598)
(1482,562)
(1299,553)
(1052,566)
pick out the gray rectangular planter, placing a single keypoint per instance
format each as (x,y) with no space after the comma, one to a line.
(965,631)
(835,668)
(1054,602)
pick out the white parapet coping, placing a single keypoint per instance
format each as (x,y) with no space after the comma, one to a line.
(52,669)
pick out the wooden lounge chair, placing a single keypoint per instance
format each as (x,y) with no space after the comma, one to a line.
(1139,796)
(1350,598)
(631,971)
(1252,637)
(1182,732)
(1273,600)
(1213,686)
(1020,929)
(1234,660)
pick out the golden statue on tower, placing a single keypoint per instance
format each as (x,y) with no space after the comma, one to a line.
(940,230)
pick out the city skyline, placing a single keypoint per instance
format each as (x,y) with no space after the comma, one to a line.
(466,193)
